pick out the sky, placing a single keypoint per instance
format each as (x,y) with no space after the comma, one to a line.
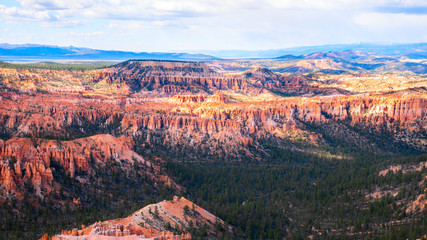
(183,25)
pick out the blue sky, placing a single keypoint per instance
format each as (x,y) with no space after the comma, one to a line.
(180,25)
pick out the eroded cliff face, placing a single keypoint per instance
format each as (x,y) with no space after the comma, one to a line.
(34,160)
(162,77)
(154,221)
(187,110)
(167,77)
(216,125)
(135,116)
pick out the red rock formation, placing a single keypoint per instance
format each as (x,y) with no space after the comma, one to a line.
(180,105)
(189,98)
(167,76)
(45,237)
(34,159)
(7,180)
(150,223)
(215,120)
(222,123)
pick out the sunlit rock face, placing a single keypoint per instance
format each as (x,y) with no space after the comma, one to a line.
(150,222)
(167,77)
(77,120)
(31,160)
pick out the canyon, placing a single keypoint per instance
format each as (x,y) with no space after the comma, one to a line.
(136,118)
(189,109)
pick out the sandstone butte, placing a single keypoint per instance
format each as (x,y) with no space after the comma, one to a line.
(147,223)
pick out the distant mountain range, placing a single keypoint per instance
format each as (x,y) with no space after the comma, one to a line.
(412,50)
(48,52)
(44,52)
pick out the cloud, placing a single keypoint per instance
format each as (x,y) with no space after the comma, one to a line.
(46,5)
(164,10)
(395,6)
(390,21)
(57,18)
(62,23)
(232,24)
(14,13)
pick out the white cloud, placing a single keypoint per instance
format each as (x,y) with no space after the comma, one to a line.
(389,21)
(346,4)
(62,23)
(56,4)
(14,13)
(48,18)
(158,10)
(232,24)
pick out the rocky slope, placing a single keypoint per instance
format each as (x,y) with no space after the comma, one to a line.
(93,132)
(165,220)
(411,206)
(33,160)
(219,125)
(167,77)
